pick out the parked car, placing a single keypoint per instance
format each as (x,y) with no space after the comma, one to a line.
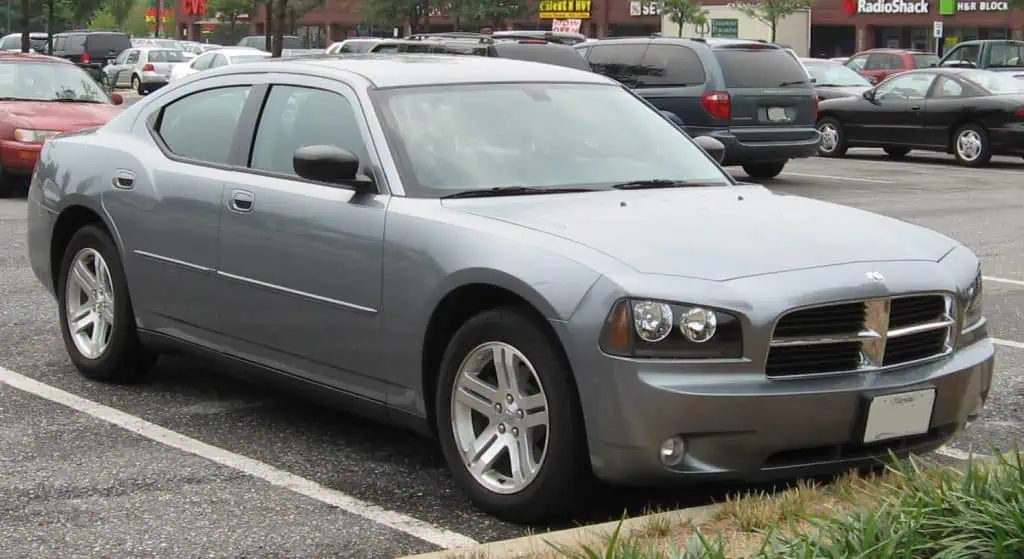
(973,114)
(833,80)
(290,45)
(196,48)
(514,258)
(997,55)
(534,50)
(357,45)
(12,42)
(755,97)
(878,64)
(217,58)
(41,96)
(90,50)
(144,69)
(549,36)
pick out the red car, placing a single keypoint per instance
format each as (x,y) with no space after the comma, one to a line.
(878,64)
(41,96)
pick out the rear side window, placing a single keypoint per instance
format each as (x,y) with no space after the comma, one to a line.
(925,60)
(1005,55)
(557,54)
(11,43)
(201,126)
(619,62)
(76,43)
(671,66)
(759,68)
(103,42)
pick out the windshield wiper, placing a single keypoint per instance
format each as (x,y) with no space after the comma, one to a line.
(660,183)
(511,191)
(73,100)
(794,82)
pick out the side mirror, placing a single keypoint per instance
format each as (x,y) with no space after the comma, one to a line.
(715,148)
(869,95)
(116,98)
(673,117)
(323,163)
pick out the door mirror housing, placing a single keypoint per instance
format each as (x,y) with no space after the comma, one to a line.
(673,117)
(328,164)
(713,147)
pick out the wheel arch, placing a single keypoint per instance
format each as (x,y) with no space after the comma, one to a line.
(70,219)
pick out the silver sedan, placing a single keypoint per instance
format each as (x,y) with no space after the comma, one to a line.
(526,261)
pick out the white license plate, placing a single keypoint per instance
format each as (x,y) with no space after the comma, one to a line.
(777,113)
(899,415)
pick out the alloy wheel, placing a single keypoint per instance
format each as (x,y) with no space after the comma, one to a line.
(969,145)
(90,303)
(829,137)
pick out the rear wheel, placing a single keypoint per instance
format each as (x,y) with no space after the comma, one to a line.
(7,184)
(896,152)
(763,170)
(509,419)
(833,141)
(970,146)
(137,85)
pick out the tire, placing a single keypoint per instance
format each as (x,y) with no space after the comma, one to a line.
(763,170)
(7,185)
(971,147)
(137,85)
(835,146)
(895,152)
(122,358)
(557,489)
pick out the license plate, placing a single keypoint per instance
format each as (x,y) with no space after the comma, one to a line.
(777,114)
(899,415)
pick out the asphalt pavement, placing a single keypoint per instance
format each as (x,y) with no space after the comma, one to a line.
(193,463)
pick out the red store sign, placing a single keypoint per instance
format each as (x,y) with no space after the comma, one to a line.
(194,7)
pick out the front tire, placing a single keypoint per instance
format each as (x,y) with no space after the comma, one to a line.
(971,146)
(833,139)
(137,85)
(763,170)
(509,419)
(96,316)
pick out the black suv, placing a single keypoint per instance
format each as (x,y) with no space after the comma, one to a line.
(90,50)
(548,51)
(754,97)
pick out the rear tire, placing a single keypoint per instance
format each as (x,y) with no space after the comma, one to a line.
(557,467)
(7,184)
(137,85)
(895,152)
(763,170)
(971,146)
(99,301)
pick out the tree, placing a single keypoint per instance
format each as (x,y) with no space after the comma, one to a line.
(228,11)
(771,12)
(498,12)
(119,9)
(26,44)
(268,23)
(681,12)
(282,13)
(102,20)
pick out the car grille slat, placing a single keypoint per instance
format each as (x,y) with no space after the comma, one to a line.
(861,335)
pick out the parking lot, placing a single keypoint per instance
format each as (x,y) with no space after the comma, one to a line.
(193,463)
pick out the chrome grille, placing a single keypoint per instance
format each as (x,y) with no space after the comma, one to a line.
(861,336)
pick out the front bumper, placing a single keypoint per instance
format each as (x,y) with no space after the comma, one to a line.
(18,157)
(762,144)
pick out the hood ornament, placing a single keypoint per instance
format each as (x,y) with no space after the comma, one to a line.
(875,276)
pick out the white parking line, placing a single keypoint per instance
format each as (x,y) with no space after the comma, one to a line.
(1018,283)
(957,454)
(835,178)
(1008,343)
(396,521)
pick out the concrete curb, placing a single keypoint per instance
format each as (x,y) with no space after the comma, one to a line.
(539,543)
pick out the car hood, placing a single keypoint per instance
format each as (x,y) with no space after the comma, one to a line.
(715,233)
(63,117)
(844,91)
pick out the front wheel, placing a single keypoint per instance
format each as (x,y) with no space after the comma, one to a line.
(509,419)
(833,142)
(970,146)
(763,170)
(96,316)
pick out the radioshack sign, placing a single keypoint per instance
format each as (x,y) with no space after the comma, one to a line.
(886,6)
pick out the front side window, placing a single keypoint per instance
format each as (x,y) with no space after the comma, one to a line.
(202,126)
(47,81)
(997,83)
(967,54)
(857,63)
(905,87)
(296,117)
(545,136)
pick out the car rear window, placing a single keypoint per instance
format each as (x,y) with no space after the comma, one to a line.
(557,54)
(759,67)
(925,60)
(103,42)
(166,55)
(670,66)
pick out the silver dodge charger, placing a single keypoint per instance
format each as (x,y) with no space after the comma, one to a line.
(528,262)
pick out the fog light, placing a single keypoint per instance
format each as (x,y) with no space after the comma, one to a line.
(672,451)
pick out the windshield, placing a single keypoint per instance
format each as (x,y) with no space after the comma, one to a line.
(48,81)
(1006,55)
(535,135)
(167,55)
(995,82)
(835,75)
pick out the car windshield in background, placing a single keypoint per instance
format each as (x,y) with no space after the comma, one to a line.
(47,81)
(167,55)
(759,68)
(557,54)
(1005,55)
(925,60)
(828,74)
(546,136)
(995,82)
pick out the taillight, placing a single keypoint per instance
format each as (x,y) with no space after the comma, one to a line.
(147,67)
(1020,113)
(86,58)
(717,104)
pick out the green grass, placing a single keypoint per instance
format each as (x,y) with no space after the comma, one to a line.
(918,513)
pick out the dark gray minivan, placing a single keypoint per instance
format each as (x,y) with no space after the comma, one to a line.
(756,98)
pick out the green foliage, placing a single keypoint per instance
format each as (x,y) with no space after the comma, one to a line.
(119,10)
(228,10)
(681,12)
(771,12)
(103,20)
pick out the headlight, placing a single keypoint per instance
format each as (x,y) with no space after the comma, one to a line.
(33,136)
(973,299)
(660,329)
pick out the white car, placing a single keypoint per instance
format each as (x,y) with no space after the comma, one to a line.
(144,69)
(216,58)
(352,46)
(12,42)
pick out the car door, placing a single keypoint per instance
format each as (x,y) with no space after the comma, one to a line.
(167,204)
(131,67)
(113,72)
(948,101)
(300,261)
(895,115)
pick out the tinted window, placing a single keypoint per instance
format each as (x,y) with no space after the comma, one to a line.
(201,126)
(925,60)
(1005,55)
(883,61)
(946,88)
(203,62)
(905,87)
(994,82)
(76,43)
(103,42)
(295,117)
(759,68)
(619,62)
(557,54)
(671,65)
(166,55)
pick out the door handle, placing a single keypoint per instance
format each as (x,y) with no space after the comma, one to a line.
(124,179)
(915,107)
(241,201)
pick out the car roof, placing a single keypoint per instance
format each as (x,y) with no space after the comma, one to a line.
(231,51)
(402,70)
(7,56)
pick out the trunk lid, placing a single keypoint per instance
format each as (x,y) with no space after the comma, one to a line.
(767,86)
